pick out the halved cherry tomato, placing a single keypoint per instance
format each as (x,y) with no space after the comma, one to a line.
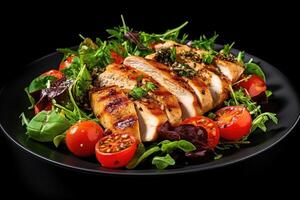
(82,137)
(213,132)
(254,85)
(54,73)
(66,63)
(234,122)
(39,107)
(116,150)
(117,58)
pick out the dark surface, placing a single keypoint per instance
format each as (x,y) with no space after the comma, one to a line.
(267,31)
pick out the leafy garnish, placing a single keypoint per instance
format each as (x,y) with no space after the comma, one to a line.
(46,125)
(31,99)
(208,58)
(205,43)
(226,49)
(162,162)
(59,139)
(240,57)
(268,93)
(164,148)
(139,92)
(252,68)
(260,120)
(40,83)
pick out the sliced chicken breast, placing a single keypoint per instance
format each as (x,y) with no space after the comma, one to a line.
(202,92)
(231,69)
(126,78)
(174,84)
(151,118)
(200,89)
(115,111)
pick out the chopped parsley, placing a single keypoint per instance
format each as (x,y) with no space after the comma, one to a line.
(139,92)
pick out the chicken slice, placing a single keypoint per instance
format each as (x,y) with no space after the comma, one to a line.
(229,68)
(115,111)
(151,118)
(126,78)
(174,84)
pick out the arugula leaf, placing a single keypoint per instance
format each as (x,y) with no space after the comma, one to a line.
(72,71)
(268,93)
(31,99)
(24,119)
(260,120)
(252,68)
(208,58)
(93,55)
(162,162)
(226,49)
(46,125)
(67,52)
(172,34)
(81,85)
(205,43)
(240,57)
(58,139)
(238,97)
(40,83)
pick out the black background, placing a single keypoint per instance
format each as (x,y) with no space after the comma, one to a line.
(268,31)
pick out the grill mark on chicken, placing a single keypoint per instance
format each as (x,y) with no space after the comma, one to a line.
(126,122)
(115,104)
(127,78)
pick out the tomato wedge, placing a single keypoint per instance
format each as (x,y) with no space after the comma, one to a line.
(234,122)
(116,150)
(213,132)
(254,85)
(116,57)
(82,137)
(66,63)
(54,73)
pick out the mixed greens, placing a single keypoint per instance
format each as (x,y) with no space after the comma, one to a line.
(60,99)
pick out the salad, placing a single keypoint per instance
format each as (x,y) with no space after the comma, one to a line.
(141,100)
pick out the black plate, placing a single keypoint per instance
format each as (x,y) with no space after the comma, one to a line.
(13,101)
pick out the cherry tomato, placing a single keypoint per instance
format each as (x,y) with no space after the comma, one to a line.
(39,107)
(116,150)
(213,132)
(254,85)
(66,63)
(117,58)
(234,122)
(82,137)
(54,73)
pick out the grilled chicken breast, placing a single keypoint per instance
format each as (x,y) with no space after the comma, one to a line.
(126,78)
(231,69)
(151,117)
(174,84)
(115,111)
